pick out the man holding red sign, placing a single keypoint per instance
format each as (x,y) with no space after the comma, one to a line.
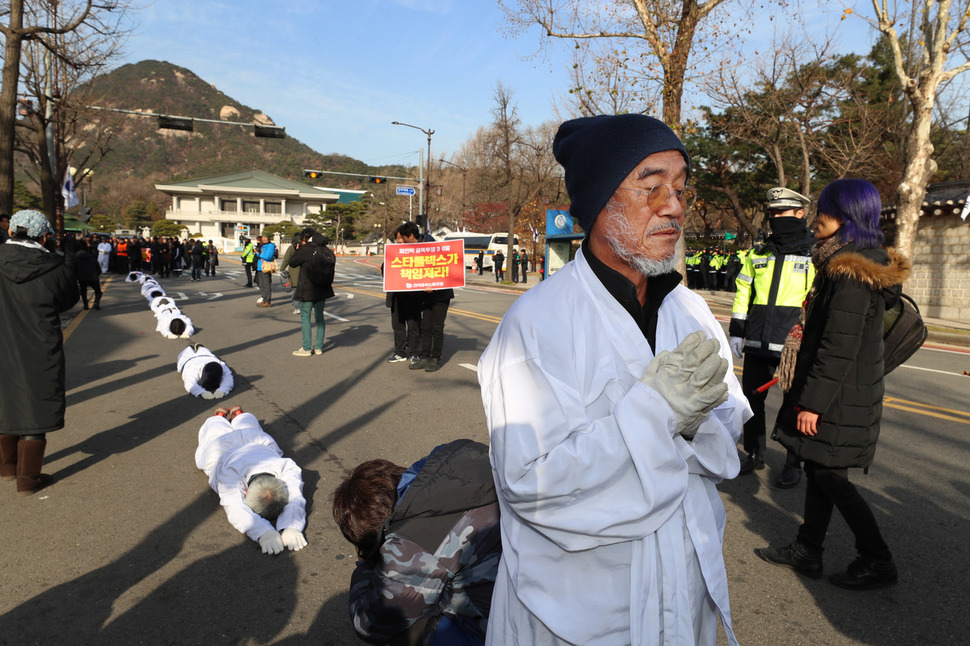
(433,268)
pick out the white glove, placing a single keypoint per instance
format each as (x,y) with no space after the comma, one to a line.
(169,335)
(218,394)
(271,542)
(691,379)
(293,539)
(737,345)
(207,395)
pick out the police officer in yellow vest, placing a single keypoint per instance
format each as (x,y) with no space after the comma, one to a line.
(772,284)
(248,257)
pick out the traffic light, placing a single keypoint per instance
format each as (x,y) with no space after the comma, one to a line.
(378,180)
(312,174)
(270,132)
(175,123)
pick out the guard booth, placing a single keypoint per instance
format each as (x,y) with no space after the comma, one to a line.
(561,242)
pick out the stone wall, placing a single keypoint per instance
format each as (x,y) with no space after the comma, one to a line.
(940,283)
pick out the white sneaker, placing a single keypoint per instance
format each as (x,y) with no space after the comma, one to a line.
(396,358)
(259,300)
(302,353)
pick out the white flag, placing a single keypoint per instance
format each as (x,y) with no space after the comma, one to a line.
(966,208)
(68,190)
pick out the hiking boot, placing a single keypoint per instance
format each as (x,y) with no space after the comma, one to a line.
(432,365)
(795,556)
(790,476)
(752,462)
(417,363)
(866,574)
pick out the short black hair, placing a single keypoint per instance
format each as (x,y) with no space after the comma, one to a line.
(211,376)
(177,326)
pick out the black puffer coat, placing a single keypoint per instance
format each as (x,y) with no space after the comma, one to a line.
(306,289)
(839,372)
(35,287)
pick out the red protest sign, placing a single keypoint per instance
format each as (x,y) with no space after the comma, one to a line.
(424,265)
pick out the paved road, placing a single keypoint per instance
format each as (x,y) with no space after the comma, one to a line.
(129,546)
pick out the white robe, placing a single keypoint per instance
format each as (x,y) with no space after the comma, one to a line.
(162,302)
(165,318)
(612,527)
(190,364)
(230,454)
(151,286)
(135,277)
(104,256)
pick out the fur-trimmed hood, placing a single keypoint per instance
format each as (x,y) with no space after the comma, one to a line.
(866,266)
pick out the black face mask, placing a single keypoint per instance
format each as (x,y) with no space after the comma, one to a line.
(786,226)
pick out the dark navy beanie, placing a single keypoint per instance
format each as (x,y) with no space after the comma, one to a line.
(599,152)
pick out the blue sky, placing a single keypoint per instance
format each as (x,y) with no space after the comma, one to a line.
(335,73)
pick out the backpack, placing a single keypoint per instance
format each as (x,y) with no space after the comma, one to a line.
(903,332)
(320,269)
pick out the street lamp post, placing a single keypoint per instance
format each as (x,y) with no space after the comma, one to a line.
(426,189)
(464,171)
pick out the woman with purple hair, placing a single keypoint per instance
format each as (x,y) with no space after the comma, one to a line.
(832,373)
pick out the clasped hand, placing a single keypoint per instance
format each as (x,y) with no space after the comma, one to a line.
(691,379)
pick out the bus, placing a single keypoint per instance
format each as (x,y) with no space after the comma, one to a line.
(487,242)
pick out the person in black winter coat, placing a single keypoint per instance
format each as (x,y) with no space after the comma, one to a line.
(832,373)
(35,287)
(88,272)
(316,262)
(429,545)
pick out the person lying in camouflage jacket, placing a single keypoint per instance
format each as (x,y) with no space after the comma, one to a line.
(429,546)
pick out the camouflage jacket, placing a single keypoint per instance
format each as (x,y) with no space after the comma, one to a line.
(433,581)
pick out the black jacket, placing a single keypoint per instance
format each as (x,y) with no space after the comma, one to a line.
(306,289)
(839,371)
(439,555)
(86,268)
(35,287)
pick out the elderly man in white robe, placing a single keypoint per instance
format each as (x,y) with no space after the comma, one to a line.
(261,491)
(612,416)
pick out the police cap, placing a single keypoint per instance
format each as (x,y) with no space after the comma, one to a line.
(782,199)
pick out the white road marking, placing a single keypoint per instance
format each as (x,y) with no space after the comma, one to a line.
(470,366)
(334,316)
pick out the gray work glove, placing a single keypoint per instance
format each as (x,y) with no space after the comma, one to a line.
(271,542)
(691,379)
(293,539)
(207,395)
(737,346)
(218,394)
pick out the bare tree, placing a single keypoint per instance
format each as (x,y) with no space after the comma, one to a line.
(61,131)
(666,29)
(941,24)
(16,33)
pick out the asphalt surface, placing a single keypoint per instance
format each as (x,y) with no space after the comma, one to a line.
(130,546)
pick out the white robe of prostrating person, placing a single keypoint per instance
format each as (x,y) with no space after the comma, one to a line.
(164,327)
(611,523)
(230,454)
(135,277)
(190,364)
(104,256)
(162,302)
(151,286)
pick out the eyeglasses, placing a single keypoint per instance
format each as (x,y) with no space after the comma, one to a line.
(658,195)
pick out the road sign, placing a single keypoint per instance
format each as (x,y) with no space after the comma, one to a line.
(405,190)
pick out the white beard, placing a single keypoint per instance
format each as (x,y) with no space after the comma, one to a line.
(620,233)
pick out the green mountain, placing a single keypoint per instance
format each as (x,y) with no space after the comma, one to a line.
(139,154)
